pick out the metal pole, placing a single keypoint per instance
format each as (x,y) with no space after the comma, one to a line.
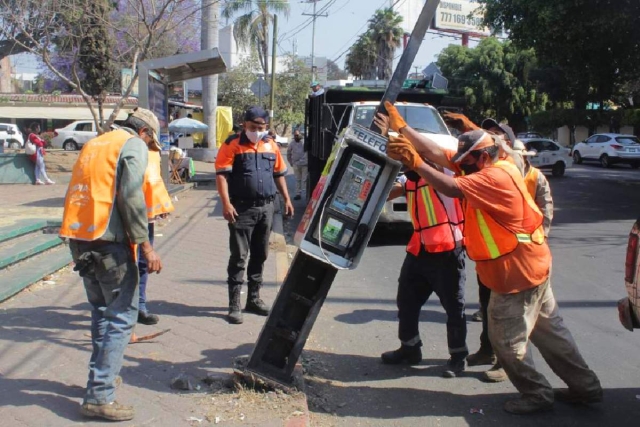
(409,54)
(313,41)
(272,103)
(210,11)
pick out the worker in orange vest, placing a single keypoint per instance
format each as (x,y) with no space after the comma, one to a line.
(105,217)
(435,263)
(539,189)
(504,236)
(159,206)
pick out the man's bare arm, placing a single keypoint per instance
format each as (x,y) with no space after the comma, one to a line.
(426,147)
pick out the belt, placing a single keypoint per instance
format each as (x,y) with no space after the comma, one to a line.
(253,202)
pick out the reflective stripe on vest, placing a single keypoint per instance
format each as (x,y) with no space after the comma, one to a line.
(156,196)
(486,239)
(90,197)
(437,220)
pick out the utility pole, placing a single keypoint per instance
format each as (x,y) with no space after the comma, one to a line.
(273,69)
(209,40)
(416,67)
(315,15)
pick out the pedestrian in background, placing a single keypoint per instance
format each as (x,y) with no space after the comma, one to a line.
(249,171)
(38,156)
(316,89)
(298,159)
(504,235)
(105,216)
(434,263)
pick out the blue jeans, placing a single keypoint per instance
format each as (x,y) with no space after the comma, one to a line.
(144,272)
(111,282)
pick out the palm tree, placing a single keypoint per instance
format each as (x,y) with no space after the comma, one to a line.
(252,28)
(361,59)
(386,33)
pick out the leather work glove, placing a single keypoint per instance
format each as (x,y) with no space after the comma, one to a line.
(399,148)
(460,122)
(396,122)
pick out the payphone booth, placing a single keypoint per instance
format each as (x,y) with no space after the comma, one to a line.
(332,235)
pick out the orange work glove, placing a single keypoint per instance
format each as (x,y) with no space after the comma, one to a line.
(396,122)
(399,148)
(460,122)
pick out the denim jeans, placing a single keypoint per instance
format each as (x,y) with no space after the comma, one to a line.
(440,273)
(144,272)
(110,277)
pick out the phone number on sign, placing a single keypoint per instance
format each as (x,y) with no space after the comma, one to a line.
(456,18)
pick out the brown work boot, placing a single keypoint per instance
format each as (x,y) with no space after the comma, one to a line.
(527,405)
(481,358)
(566,395)
(109,411)
(495,374)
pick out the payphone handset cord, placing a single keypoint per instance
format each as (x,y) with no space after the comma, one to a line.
(324,254)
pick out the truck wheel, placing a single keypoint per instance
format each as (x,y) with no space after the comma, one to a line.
(70,145)
(577,158)
(558,169)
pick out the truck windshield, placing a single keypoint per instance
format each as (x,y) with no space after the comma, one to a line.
(420,118)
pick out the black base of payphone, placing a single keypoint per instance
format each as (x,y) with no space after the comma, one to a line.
(294,312)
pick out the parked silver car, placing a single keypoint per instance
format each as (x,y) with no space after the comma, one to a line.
(10,136)
(609,149)
(74,135)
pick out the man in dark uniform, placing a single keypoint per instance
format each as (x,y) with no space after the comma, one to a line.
(249,169)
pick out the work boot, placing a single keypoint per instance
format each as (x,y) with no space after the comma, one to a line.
(235,313)
(455,366)
(566,395)
(482,357)
(109,411)
(527,405)
(406,354)
(147,318)
(255,305)
(495,374)
(477,316)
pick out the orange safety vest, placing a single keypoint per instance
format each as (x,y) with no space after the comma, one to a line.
(486,239)
(438,221)
(155,193)
(531,181)
(92,190)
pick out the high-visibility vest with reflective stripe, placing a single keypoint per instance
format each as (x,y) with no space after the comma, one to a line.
(531,181)
(438,220)
(156,195)
(92,190)
(486,239)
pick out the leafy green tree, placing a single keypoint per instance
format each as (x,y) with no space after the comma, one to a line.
(361,59)
(494,78)
(292,88)
(233,88)
(334,72)
(386,34)
(592,46)
(251,29)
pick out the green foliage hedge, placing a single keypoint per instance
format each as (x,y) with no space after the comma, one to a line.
(550,120)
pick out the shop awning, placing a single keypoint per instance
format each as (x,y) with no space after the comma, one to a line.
(60,113)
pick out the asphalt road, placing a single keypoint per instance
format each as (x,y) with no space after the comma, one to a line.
(594,211)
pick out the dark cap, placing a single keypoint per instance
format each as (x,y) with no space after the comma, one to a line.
(255,113)
(472,141)
(491,123)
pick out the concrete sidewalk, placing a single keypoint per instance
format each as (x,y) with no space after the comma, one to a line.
(45,347)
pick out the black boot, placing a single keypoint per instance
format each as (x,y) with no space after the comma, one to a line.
(406,354)
(235,314)
(254,304)
(455,365)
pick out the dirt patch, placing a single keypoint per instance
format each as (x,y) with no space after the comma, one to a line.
(60,162)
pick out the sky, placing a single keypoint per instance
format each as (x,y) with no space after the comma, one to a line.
(346,20)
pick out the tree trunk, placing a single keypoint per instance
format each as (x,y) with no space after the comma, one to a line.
(209,38)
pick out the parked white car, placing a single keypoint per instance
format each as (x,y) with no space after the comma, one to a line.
(74,135)
(609,149)
(550,155)
(10,136)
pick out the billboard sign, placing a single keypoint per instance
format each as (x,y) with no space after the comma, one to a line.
(158,102)
(460,16)
(320,65)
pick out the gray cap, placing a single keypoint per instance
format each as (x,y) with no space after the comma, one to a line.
(492,123)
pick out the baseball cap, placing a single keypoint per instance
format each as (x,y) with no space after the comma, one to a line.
(471,141)
(519,147)
(255,112)
(152,121)
(314,84)
(492,123)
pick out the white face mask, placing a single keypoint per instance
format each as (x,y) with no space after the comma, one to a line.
(255,136)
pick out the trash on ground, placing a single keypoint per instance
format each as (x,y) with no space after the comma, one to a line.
(476,411)
(195,419)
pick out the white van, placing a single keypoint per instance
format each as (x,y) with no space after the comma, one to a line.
(423,118)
